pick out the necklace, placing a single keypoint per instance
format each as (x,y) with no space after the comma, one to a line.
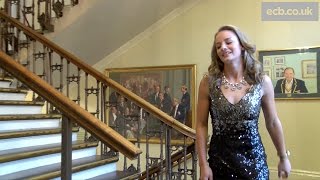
(233,86)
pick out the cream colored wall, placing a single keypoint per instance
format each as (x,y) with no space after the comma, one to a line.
(187,39)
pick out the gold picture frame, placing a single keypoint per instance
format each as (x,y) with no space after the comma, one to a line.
(306,65)
(142,80)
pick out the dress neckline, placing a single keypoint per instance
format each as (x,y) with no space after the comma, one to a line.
(238,102)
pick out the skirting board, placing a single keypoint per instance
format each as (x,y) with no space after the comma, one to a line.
(299,173)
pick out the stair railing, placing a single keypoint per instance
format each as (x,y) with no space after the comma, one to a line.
(85,87)
(37,14)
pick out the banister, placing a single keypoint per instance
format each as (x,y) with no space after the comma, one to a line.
(103,79)
(69,108)
(174,158)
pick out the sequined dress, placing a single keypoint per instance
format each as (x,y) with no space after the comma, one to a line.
(236,150)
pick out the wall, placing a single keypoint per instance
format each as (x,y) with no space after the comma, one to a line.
(187,39)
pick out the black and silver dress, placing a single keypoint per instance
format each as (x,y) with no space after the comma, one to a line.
(236,150)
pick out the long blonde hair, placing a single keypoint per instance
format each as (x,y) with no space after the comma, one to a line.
(252,67)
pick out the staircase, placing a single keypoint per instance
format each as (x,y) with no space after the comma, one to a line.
(30,141)
(30,135)
(57,128)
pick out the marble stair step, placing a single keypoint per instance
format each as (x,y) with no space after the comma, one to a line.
(22,139)
(13,90)
(13,94)
(5,82)
(53,170)
(9,135)
(20,107)
(23,122)
(34,151)
(43,160)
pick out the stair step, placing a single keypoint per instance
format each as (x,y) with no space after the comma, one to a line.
(33,151)
(20,107)
(43,160)
(23,117)
(53,170)
(117,175)
(11,90)
(22,139)
(32,103)
(8,135)
(12,94)
(5,82)
(29,122)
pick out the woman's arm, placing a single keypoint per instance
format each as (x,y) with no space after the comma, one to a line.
(274,126)
(202,128)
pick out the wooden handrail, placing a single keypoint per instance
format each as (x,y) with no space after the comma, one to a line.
(103,79)
(69,108)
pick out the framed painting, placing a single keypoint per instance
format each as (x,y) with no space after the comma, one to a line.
(162,86)
(279,60)
(267,62)
(267,71)
(309,69)
(294,72)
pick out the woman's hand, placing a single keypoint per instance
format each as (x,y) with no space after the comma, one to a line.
(205,173)
(284,168)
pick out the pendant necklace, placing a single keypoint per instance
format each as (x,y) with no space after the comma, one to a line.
(233,86)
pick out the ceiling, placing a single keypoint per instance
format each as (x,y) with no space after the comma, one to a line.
(106,25)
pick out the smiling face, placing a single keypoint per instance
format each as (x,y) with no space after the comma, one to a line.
(289,74)
(228,46)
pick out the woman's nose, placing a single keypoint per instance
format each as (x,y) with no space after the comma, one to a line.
(223,46)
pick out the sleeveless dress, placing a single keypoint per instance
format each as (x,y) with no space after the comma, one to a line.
(236,150)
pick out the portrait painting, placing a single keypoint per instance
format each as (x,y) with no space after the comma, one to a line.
(165,87)
(294,72)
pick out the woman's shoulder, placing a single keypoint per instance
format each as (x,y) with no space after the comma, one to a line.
(205,80)
(210,82)
(204,85)
(210,78)
(266,84)
(266,79)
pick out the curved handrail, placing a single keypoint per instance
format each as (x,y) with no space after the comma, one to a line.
(103,79)
(69,108)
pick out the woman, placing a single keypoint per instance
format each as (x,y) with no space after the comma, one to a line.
(233,93)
